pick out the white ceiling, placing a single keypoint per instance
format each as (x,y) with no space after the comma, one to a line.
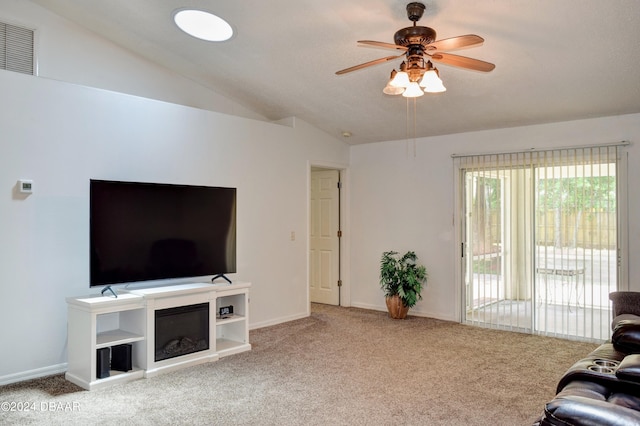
(556,60)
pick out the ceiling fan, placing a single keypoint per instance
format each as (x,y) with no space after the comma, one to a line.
(419,46)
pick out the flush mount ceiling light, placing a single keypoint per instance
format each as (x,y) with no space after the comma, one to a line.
(203,25)
(417,74)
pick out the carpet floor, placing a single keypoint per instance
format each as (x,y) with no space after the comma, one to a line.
(340,366)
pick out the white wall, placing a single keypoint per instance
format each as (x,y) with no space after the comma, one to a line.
(72,53)
(405,202)
(62,134)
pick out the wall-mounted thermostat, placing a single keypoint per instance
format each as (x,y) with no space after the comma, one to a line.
(25,186)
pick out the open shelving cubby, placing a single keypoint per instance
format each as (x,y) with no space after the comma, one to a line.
(97,322)
(232,332)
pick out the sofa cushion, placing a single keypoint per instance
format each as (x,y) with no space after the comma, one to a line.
(623,317)
(626,335)
(629,368)
(587,403)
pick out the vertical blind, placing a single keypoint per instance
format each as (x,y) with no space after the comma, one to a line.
(540,246)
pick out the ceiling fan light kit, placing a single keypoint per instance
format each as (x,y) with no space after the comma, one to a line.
(417,75)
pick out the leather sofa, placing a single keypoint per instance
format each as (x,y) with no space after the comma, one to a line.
(604,387)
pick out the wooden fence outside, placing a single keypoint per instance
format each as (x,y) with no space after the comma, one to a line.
(591,230)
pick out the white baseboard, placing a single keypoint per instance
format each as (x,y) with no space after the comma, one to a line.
(33,374)
(277,321)
(413,311)
(368,306)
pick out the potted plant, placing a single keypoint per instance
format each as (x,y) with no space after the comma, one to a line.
(401,279)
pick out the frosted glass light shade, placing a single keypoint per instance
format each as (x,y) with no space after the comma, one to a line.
(431,82)
(429,77)
(400,80)
(391,90)
(437,87)
(203,25)
(413,90)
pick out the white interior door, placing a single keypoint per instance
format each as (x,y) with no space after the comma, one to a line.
(324,243)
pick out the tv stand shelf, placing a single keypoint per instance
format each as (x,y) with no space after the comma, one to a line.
(232,334)
(116,337)
(104,321)
(229,319)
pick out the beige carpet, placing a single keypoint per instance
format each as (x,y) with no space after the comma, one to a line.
(341,366)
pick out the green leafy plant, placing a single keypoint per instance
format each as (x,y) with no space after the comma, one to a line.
(402,276)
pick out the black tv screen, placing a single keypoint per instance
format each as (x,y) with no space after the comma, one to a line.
(151,231)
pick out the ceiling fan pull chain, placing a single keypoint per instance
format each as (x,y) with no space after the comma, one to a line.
(415,121)
(407,130)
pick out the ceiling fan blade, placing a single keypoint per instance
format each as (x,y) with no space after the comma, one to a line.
(462,62)
(382,44)
(469,40)
(368,64)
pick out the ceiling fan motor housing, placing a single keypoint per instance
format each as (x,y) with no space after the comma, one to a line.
(415,39)
(415,35)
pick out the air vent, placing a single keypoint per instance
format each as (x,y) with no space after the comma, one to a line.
(16,49)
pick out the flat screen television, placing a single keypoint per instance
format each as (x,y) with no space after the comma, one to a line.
(150,231)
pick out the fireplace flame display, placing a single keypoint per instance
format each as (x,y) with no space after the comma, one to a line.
(181,331)
(181,346)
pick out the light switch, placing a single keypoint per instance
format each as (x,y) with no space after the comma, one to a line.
(293,235)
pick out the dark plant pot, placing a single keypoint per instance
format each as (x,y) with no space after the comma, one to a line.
(397,309)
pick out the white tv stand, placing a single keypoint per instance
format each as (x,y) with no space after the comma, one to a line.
(100,321)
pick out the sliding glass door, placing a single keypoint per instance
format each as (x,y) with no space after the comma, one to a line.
(539,240)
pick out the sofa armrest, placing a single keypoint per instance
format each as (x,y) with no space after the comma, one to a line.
(629,368)
(581,411)
(625,302)
(626,336)
(585,403)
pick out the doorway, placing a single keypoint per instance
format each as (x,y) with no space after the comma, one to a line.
(540,240)
(325,283)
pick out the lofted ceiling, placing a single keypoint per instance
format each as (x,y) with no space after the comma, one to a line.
(556,60)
